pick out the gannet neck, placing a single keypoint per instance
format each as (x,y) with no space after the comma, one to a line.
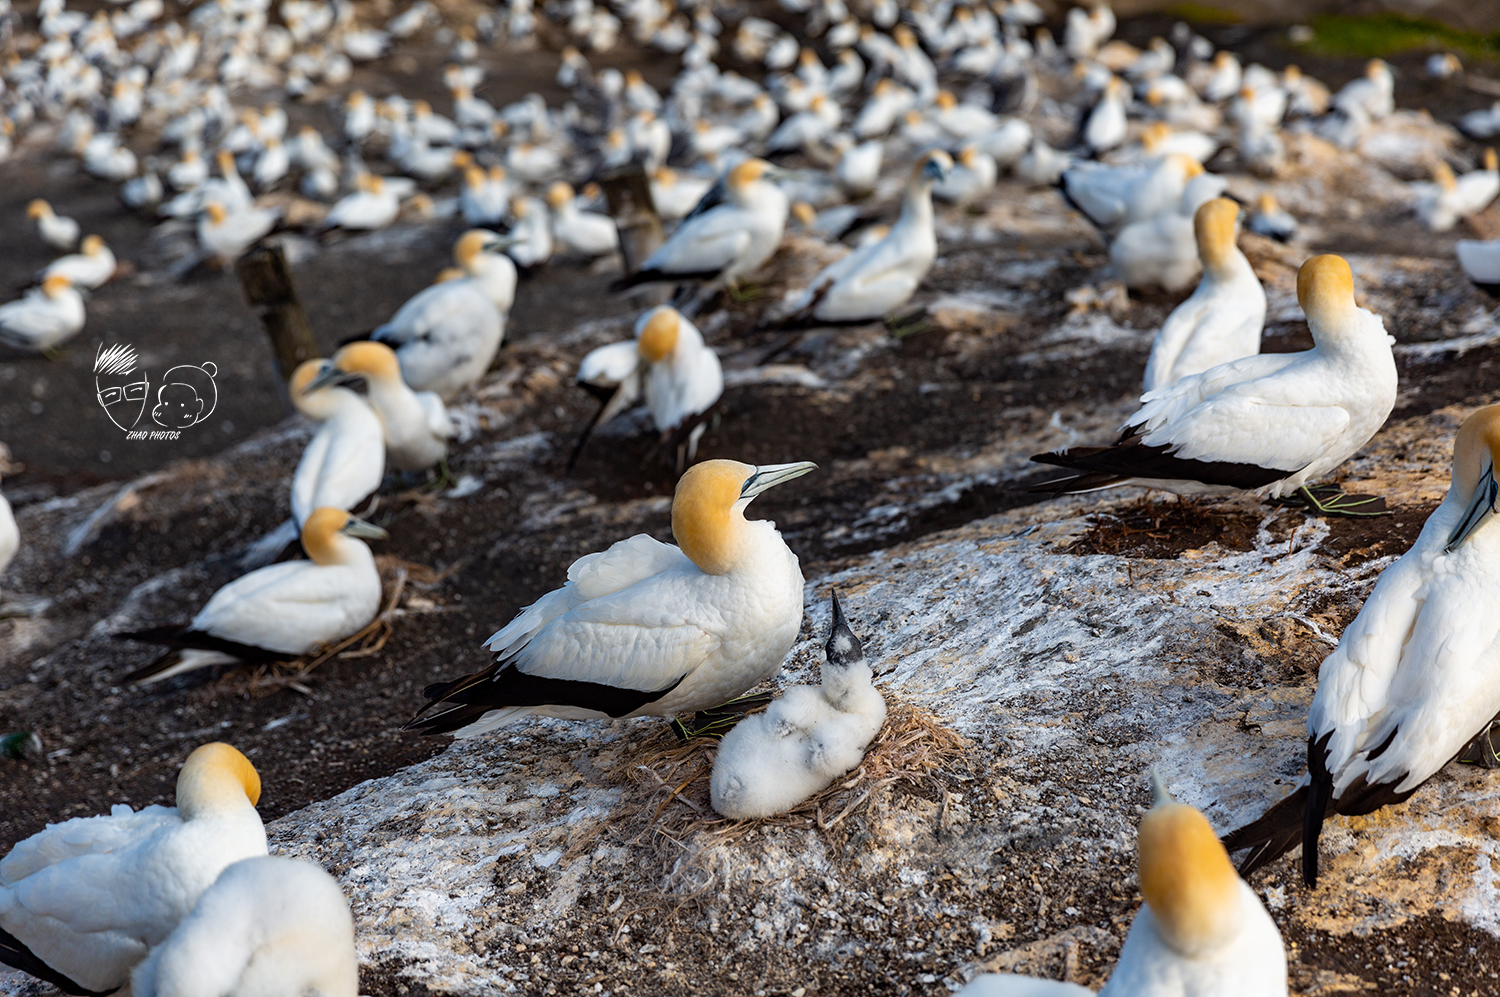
(1476,452)
(1325,290)
(1187,880)
(1216,224)
(216,779)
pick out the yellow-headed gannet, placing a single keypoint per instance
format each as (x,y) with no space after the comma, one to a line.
(416,423)
(675,194)
(1114,196)
(345,459)
(1106,126)
(373,205)
(83,901)
(1448,199)
(586,233)
(282,610)
(268,925)
(89,268)
(225,235)
(807,738)
(1270,219)
(1202,932)
(529,242)
(646,628)
(1410,683)
(1222,320)
(56,230)
(44,317)
(872,281)
(1268,423)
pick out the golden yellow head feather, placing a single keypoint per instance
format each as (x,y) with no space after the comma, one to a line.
(38,208)
(56,284)
(319,532)
(469,246)
(1491,162)
(747,173)
(560,194)
(216,777)
(1187,879)
(367,357)
(1476,448)
(1214,225)
(1325,288)
(703,513)
(93,244)
(216,213)
(659,337)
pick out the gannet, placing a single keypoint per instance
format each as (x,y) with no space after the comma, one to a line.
(46,316)
(56,230)
(226,236)
(730,234)
(1114,196)
(1449,198)
(1480,262)
(1270,219)
(10,534)
(1268,423)
(530,240)
(1410,683)
(1222,320)
(83,901)
(89,268)
(675,194)
(807,738)
(1162,250)
(416,424)
(279,611)
(973,176)
(586,233)
(1202,932)
(872,281)
(268,925)
(345,459)
(1106,126)
(485,200)
(188,172)
(646,628)
(374,205)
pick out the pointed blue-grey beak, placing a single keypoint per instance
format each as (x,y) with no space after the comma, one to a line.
(357,527)
(330,375)
(843,648)
(770,475)
(1480,508)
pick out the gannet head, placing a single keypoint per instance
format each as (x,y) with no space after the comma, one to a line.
(708,509)
(1216,223)
(1325,290)
(324,527)
(658,336)
(225,159)
(1186,877)
(93,245)
(804,212)
(1155,94)
(1291,75)
(55,285)
(968,156)
(1442,175)
(474,177)
(473,244)
(1476,451)
(307,399)
(38,208)
(946,100)
(747,173)
(559,195)
(216,778)
(1266,202)
(843,649)
(933,167)
(1189,166)
(462,159)
(497,174)
(1222,59)
(364,360)
(215,212)
(1376,68)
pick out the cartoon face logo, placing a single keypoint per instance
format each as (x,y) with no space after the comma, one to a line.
(186,397)
(121,389)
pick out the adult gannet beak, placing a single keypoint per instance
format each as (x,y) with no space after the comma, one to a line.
(357,527)
(770,475)
(1480,506)
(331,375)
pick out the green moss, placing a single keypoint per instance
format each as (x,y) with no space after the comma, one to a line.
(1385,34)
(1201,13)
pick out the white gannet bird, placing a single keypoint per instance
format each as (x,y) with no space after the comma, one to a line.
(1202,932)
(1443,203)
(1270,219)
(1106,126)
(10,534)
(1163,250)
(1481,262)
(56,230)
(1222,320)
(529,243)
(872,281)
(83,901)
(586,233)
(1268,423)
(807,738)
(46,316)
(282,610)
(345,459)
(225,235)
(1410,683)
(973,175)
(268,925)
(646,628)
(485,199)
(731,233)
(1114,196)
(416,424)
(675,194)
(374,205)
(89,268)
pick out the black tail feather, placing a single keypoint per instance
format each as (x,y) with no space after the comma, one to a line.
(14,953)
(1275,833)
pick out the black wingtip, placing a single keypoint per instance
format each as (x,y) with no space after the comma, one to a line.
(843,648)
(14,953)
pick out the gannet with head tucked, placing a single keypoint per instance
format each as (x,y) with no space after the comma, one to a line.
(279,611)
(646,628)
(1202,932)
(89,268)
(872,281)
(58,231)
(83,901)
(586,233)
(807,738)
(44,317)
(268,925)
(1223,318)
(1268,423)
(416,423)
(1448,199)
(1414,678)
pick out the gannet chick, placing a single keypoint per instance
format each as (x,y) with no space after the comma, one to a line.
(44,317)
(279,611)
(56,230)
(416,423)
(268,925)
(90,268)
(1270,219)
(732,232)
(1269,423)
(646,628)
(1222,320)
(1202,932)
(873,281)
(586,233)
(1404,691)
(83,901)
(810,736)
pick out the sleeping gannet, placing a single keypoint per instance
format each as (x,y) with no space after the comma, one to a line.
(416,423)
(586,233)
(1202,932)
(807,738)
(268,925)
(730,234)
(874,280)
(646,628)
(89,268)
(58,231)
(1222,320)
(44,317)
(83,901)
(1411,682)
(373,205)
(1443,203)
(1269,423)
(280,611)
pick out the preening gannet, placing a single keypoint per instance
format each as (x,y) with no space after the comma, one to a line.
(1222,320)
(44,317)
(807,738)
(267,926)
(282,610)
(1268,423)
(1202,932)
(90,268)
(1414,677)
(58,231)
(83,901)
(645,628)
(730,234)
(416,423)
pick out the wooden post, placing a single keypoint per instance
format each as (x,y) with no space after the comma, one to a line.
(629,193)
(268,289)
